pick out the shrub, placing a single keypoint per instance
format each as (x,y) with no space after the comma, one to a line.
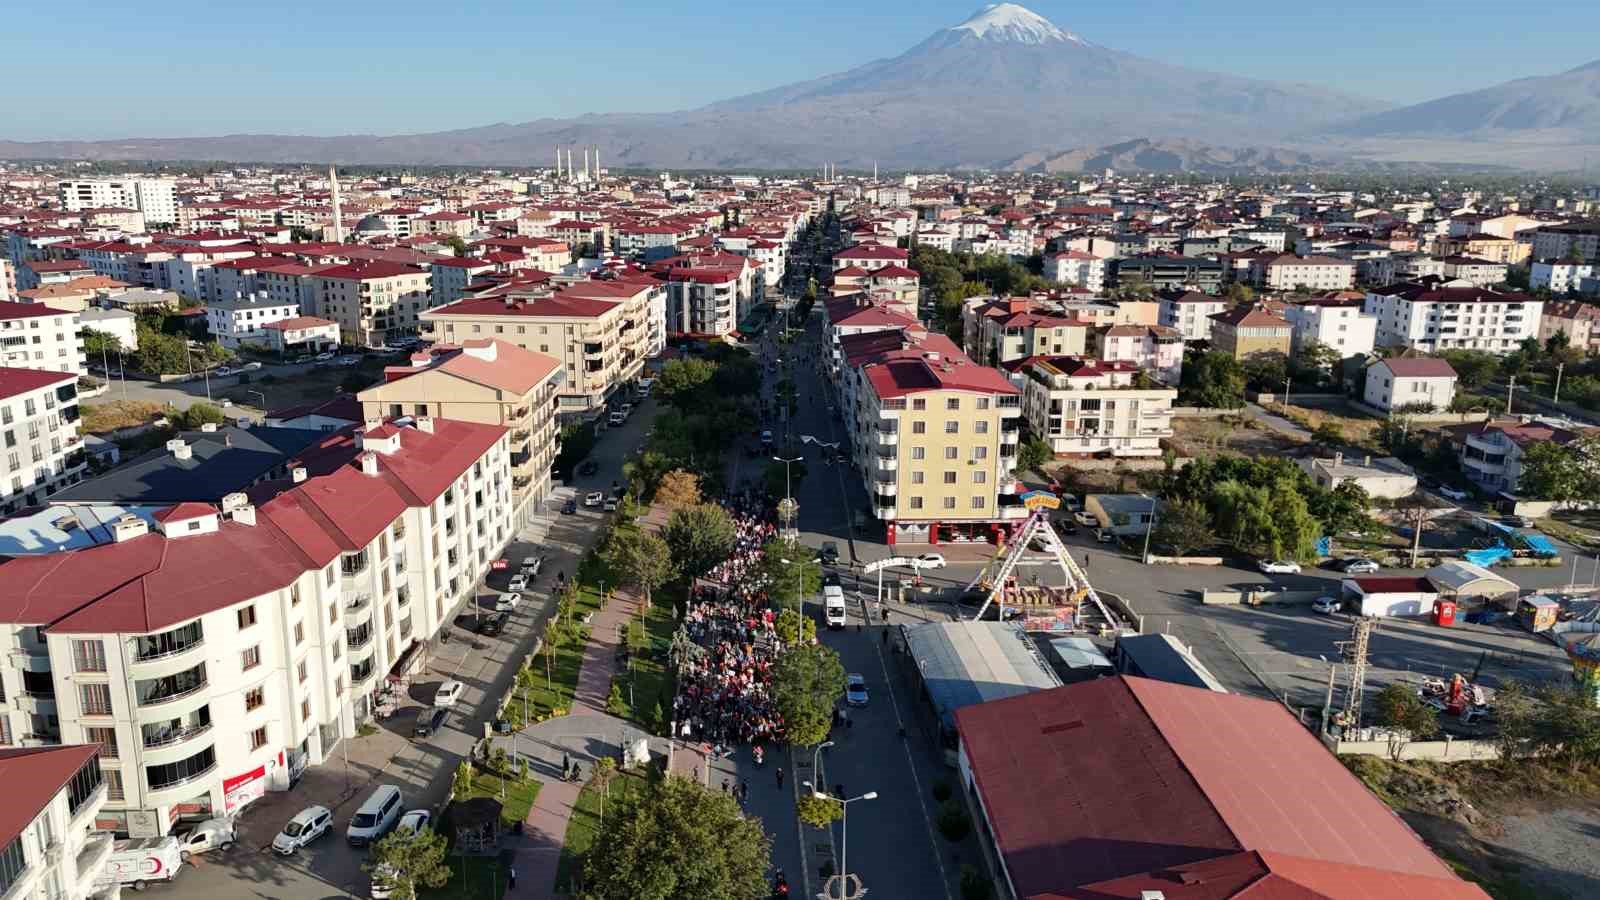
(954,823)
(614,703)
(974,885)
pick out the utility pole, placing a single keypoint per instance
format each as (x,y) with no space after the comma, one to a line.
(1356,650)
(1511,388)
(1557,397)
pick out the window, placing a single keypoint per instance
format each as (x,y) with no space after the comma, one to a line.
(258,738)
(949,503)
(251,658)
(113,784)
(952,452)
(980,452)
(919,404)
(952,426)
(305,710)
(95,699)
(247,616)
(977,502)
(916,477)
(950,477)
(88,656)
(981,427)
(106,738)
(916,502)
(952,403)
(253,698)
(333,613)
(979,477)
(919,452)
(299,633)
(300,671)
(919,427)
(294,594)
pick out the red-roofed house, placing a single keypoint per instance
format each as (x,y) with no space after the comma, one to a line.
(37,336)
(219,649)
(40,410)
(372,300)
(1397,383)
(1490,453)
(50,835)
(1087,408)
(1002,330)
(1250,331)
(871,256)
(1133,788)
(301,334)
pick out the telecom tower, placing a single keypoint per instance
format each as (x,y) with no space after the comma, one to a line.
(1355,652)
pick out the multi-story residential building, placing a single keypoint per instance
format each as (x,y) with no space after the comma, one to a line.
(1087,408)
(1288,272)
(1169,273)
(37,273)
(36,336)
(1189,312)
(934,435)
(157,198)
(242,319)
(1492,247)
(118,323)
(214,651)
(1490,453)
(373,300)
(8,281)
(43,451)
(1559,277)
(1076,267)
(452,275)
(1156,349)
(1474,271)
(1430,317)
(1573,242)
(1250,331)
(1000,330)
(704,302)
(1398,383)
(597,330)
(1334,322)
(301,334)
(871,256)
(491,381)
(51,844)
(1579,322)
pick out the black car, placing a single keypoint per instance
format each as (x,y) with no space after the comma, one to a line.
(494,624)
(569,508)
(830,552)
(588,467)
(830,579)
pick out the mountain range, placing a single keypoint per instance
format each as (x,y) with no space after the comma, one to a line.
(1005,88)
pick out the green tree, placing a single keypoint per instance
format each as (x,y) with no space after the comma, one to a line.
(819,811)
(1473,368)
(1315,363)
(1328,433)
(199,414)
(678,488)
(1213,380)
(699,537)
(461,788)
(1561,472)
(781,478)
(1401,709)
(681,379)
(99,344)
(674,838)
(794,626)
(807,681)
(456,244)
(791,571)
(404,860)
(1183,528)
(642,559)
(1033,454)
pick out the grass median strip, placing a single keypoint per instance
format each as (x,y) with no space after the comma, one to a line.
(583,829)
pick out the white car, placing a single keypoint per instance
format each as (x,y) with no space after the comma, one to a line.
(223,370)
(349,360)
(1087,520)
(1280,567)
(519,582)
(212,834)
(1327,606)
(448,693)
(593,499)
(324,356)
(251,367)
(1452,493)
(507,602)
(855,690)
(1360,567)
(531,565)
(307,825)
(611,504)
(930,561)
(414,821)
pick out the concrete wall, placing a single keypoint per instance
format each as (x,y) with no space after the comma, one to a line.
(1234,598)
(1202,412)
(1438,418)
(1447,750)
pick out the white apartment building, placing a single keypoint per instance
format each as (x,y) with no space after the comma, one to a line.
(1394,384)
(1429,318)
(51,845)
(42,450)
(1559,277)
(373,301)
(1339,324)
(1316,273)
(1087,408)
(36,336)
(240,320)
(157,198)
(452,275)
(213,652)
(118,323)
(1189,312)
(1076,267)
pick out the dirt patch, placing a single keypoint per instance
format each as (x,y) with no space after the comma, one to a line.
(1520,831)
(1357,428)
(104,418)
(1230,436)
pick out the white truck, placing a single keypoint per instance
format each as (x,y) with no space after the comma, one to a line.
(139,861)
(833,611)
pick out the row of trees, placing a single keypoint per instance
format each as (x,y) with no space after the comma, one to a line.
(953,277)
(1267,507)
(710,398)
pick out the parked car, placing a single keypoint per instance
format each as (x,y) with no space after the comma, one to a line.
(1453,493)
(1279,567)
(766,438)
(428,721)
(349,360)
(307,825)
(1085,519)
(375,817)
(1327,606)
(1360,567)
(1517,521)
(251,367)
(830,552)
(414,821)
(569,508)
(930,561)
(855,689)
(593,499)
(222,370)
(448,693)
(324,356)
(519,582)
(612,502)
(494,624)
(588,467)
(1105,535)
(507,602)
(140,860)
(212,834)
(531,565)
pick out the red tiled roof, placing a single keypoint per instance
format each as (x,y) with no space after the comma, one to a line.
(9,310)
(299,322)
(32,776)
(14,381)
(1265,875)
(1425,367)
(187,510)
(554,307)
(368,270)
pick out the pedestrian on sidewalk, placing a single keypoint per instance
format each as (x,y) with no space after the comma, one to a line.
(780,779)
(511,878)
(744,791)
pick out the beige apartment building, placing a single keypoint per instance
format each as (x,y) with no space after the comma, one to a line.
(597,331)
(1005,330)
(934,435)
(372,300)
(1085,408)
(1245,332)
(493,382)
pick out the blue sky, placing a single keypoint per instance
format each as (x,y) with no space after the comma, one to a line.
(120,69)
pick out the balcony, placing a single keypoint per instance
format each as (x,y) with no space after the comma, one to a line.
(358,638)
(361,674)
(176,731)
(92,858)
(888,438)
(169,776)
(158,691)
(884,493)
(883,512)
(887,465)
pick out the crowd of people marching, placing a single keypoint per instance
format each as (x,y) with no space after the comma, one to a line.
(724,695)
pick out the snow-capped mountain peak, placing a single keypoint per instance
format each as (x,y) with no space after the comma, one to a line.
(1014,23)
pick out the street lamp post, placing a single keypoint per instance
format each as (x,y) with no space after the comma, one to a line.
(788,490)
(844,833)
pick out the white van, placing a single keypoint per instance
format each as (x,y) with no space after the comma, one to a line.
(377,815)
(833,606)
(134,862)
(617,417)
